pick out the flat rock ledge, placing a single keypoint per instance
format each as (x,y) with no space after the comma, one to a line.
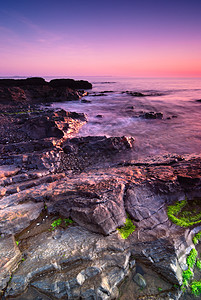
(47,174)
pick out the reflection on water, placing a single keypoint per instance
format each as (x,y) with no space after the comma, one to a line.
(179,132)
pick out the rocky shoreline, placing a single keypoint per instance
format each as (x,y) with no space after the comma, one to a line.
(62,199)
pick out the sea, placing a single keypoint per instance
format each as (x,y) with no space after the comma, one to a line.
(113,109)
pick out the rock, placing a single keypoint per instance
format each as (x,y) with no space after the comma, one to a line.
(162,257)
(37,90)
(23,82)
(46,176)
(132,263)
(41,127)
(146,94)
(199,100)
(139,279)
(32,140)
(48,265)
(100,263)
(98,95)
(18,217)
(8,171)
(100,144)
(70,83)
(10,257)
(135,94)
(99,116)
(152,115)
(85,101)
(97,206)
(81,153)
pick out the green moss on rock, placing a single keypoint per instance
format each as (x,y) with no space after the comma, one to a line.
(196,288)
(183,214)
(197,238)
(127,229)
(191,259)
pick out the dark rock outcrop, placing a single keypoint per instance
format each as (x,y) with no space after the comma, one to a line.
(33,81)
(98,144)
(152,115)
(37,90)
(134,94)
(144,94)
(73,84)
(81,153)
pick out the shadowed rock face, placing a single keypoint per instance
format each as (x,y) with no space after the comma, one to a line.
(38,81)
(37,90)
(73,84)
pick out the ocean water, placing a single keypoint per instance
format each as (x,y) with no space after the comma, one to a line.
(179,132)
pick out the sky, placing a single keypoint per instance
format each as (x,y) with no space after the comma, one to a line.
(139,38)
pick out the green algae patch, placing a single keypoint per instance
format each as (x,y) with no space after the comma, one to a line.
(191,259)
(56,223)
(68,221)
(127,229)
(198,264)
(60,221)
(185,213)
(197,238)
(196,288)
(187,275)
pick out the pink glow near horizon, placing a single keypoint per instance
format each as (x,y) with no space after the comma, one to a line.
(137,49)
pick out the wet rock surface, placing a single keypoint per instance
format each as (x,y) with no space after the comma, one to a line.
(48,174)
(145,94)
(152,115)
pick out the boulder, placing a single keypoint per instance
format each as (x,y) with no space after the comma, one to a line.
(41,127)
(139,279)
(99,144)
(83,152)
(95,205)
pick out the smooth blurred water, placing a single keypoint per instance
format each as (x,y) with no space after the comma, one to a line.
(178,135)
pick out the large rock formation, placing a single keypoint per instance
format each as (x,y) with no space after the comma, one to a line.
(37,90)
(47,175)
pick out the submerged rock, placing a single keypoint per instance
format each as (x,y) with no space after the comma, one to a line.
(152,115)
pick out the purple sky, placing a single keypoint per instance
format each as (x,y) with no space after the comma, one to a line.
(124,38)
